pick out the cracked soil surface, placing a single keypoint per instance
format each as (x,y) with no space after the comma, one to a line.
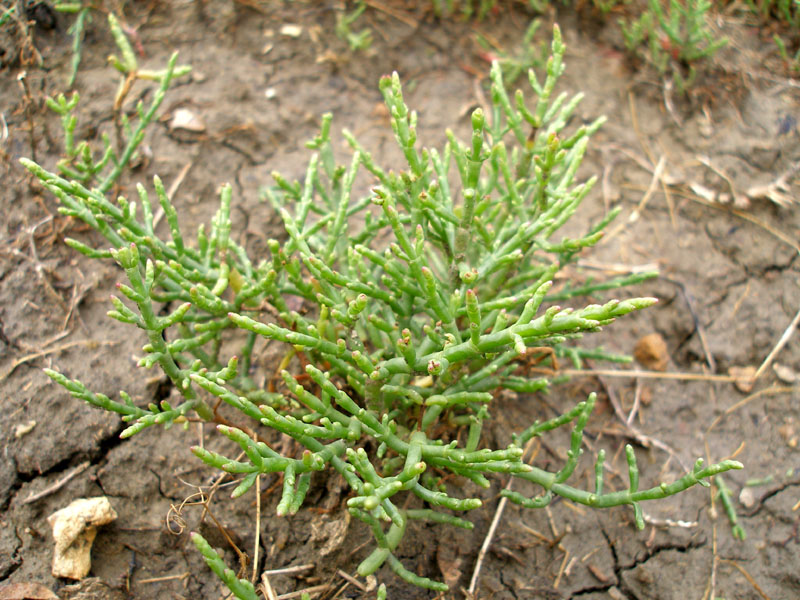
(729,287)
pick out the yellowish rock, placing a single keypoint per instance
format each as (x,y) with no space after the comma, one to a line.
(651,352)
(74,529)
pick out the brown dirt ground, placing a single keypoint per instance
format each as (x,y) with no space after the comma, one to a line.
(728,290)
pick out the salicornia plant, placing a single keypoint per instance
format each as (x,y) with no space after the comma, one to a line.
(420,299)
(361,40)
(676,39)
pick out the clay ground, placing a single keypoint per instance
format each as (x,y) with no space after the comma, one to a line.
(728,290)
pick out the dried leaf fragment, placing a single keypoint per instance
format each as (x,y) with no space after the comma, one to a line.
(74,530)
(651,352)
(26,591)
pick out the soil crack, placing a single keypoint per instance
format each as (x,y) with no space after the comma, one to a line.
(234,148)
(619,568)
(757,271)
(760,503)
(593,590)
(510,586)
(15,561)
(161,491)
(94,456)
(651,553)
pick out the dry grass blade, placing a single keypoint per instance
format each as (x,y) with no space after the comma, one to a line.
(747,576)
(266,587)
(487,542)
(778,347)
(257,534)
(765,392)
(786,239)
(290,570)
(311,591)
(181,576)
(392,12)
(711,587)
(634,216)
(648,375)
(637,400)
(91,344)
(557,582)
(644,439)
(737,198)
(498,513)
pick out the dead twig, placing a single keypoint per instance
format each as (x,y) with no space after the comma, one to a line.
(605,182)
(487,542)
(173,189)
(58,484)
(634,216)
(654,181)
(635,122)
(174,515)
(711,586)
(92,344)
(78,294)
(352,580)
(637,399)
(668,104)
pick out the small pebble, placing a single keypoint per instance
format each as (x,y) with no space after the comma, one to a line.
(24,429)
(289,30)
(651,352)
